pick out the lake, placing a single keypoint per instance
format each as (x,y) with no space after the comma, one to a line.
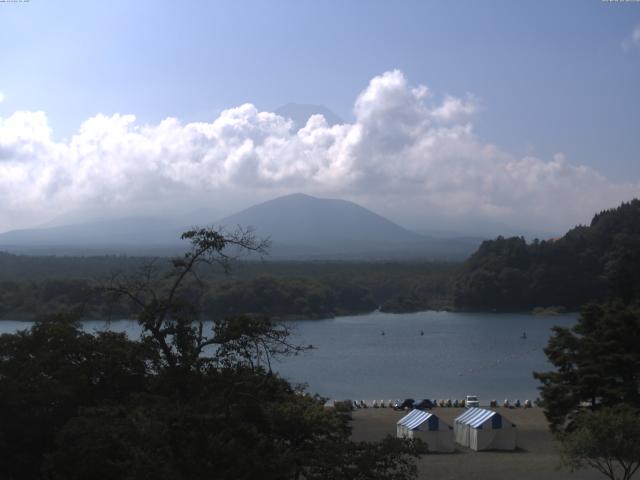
(459,354)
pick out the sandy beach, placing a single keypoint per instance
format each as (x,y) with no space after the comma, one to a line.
(536,458)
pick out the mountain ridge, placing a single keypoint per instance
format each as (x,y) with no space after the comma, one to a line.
(300,226)
(589,263)
(310,213)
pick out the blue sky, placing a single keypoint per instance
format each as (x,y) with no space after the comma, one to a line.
(545,77)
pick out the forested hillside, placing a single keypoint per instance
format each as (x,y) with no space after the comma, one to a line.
(590,263)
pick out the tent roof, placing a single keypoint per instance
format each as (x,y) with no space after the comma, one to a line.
(474,417)
(414,419)
(468,413)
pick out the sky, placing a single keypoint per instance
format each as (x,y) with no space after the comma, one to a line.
(495,115)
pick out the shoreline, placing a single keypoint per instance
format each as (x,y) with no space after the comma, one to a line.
(295,318)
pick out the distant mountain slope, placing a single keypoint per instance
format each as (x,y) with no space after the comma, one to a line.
(300,218)
(302,226)
(587,264)
(300,113)
(124,235)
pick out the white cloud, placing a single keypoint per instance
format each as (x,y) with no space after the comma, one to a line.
(633,39)
(453,108)
(407,154)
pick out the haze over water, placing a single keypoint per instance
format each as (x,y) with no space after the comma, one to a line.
(459,354)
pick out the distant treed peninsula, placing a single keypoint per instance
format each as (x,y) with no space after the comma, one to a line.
(35,286)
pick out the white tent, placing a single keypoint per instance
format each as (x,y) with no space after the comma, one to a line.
(481,429)
(427,427)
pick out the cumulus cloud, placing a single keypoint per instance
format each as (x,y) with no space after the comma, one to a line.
(408,154)
(453,108)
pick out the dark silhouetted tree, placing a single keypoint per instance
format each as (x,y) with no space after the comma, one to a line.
(597,363)
(607,440)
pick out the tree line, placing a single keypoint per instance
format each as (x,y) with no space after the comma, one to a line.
(592,396)
(36,286)
(588,264)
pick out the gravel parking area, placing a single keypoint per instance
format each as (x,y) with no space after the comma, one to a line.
(536,458)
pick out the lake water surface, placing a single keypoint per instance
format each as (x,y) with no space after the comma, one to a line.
(459,354)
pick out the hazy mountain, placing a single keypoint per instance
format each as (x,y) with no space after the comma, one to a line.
(482,228)
(300,218)
(300,113)
(300,227)
(123,235)
(198,216)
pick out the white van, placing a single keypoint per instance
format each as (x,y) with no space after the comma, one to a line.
(472,401)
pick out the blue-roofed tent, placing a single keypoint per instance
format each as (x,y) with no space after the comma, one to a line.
(481,429)
(429,428)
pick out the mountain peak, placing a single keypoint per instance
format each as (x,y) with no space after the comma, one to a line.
(295,196)
(299,218)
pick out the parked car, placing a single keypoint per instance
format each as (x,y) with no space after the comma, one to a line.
(406,404)
(424,404)
(471,401)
